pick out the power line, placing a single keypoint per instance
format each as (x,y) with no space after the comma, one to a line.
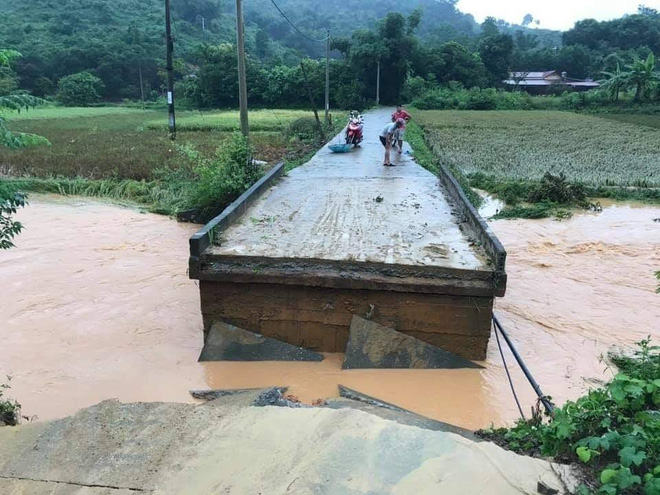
(508,375)
(296,27)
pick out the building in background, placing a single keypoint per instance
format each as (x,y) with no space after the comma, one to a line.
(548,81)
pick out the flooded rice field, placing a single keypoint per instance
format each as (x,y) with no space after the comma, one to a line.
(97,304)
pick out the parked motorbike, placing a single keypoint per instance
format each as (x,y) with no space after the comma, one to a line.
(354,128)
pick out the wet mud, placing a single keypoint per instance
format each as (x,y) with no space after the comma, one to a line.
(98,305)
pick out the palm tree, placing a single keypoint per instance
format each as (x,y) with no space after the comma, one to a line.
(642,76)
(615,82)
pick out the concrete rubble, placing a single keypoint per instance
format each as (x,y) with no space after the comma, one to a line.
(226,342)
(230,446)
(371,345)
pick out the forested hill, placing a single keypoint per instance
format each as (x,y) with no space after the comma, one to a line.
(116,39)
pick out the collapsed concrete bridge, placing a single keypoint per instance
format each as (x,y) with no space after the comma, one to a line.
(300,253)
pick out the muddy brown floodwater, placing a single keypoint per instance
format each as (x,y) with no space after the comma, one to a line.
(96,304)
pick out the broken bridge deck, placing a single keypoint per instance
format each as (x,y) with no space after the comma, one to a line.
(343,235)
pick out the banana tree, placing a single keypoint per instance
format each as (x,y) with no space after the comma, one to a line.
(15,103)
(10,200)
(642,76)
(615,82)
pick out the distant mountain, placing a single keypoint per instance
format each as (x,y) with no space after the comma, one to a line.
(118,38)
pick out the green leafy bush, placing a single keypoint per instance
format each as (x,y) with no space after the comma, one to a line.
(10,410)
(10,202)
(543,198)
(303,128)
(226,176)
(457,98)
(557,189)
(613,431)
(79,90)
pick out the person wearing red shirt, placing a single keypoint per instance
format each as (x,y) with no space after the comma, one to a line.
(400,113)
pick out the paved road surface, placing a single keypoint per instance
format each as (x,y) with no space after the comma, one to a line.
(327,209)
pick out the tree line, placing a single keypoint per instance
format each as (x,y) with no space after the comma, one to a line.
(102,53)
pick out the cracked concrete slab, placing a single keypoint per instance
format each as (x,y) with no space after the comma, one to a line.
(228,446)
(353,399)
(14,486)
(371,345)
(226,342)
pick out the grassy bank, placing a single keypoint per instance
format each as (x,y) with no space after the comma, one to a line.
(156,196)
(612,432)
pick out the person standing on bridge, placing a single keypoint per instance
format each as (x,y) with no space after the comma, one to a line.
(387,136)
(400,113)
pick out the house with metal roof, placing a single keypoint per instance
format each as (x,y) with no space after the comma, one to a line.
(540,82)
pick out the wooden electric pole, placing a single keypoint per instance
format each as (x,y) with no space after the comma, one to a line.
(378,84)
(327,79)
(141,83)
(242,82)
(170,71)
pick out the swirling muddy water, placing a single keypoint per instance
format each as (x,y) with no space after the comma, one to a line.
(96,304)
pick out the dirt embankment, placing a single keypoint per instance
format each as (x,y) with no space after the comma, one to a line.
(230,446)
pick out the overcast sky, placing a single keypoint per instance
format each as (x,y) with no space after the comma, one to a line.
(553,14)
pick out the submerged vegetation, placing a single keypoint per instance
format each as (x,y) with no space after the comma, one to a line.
(613,431)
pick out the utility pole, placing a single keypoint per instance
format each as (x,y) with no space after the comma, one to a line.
(141,84)
(203,24)
(242,82)
(327,79)
(378,84)
(170,71)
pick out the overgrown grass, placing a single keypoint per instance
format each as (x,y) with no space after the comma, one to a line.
(228,121)
(115,142)
(166,197)
(613,431)
(55,112)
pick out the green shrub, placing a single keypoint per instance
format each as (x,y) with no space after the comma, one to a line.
(556,189)
(79,90)
(457,98)
(10,202)
(482,99)
(613,431)
(534,211)
(303,128)
(415,87)
(10,410)
(226,176)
